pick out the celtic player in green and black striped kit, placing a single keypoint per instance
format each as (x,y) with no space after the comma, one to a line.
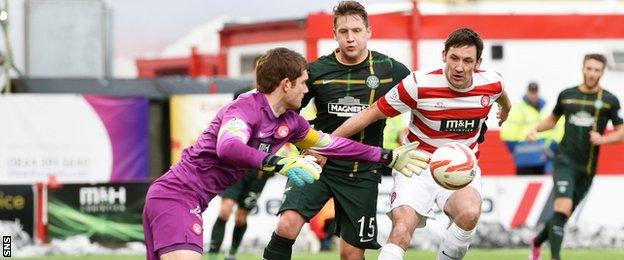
(587,109)
(342,83)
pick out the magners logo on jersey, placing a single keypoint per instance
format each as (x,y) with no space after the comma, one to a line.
(346,107)
(459,125)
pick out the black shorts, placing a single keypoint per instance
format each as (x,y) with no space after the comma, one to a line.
(571,180)
(355,201)
(247,190)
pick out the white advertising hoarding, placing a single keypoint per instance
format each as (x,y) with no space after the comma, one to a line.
(507,201)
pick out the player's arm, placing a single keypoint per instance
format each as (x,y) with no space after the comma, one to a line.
(615,115)
(544,125)
(232,141)
(390,105)
(234,133)
(406,158)
(616,136)
(353,125)
(547,123)
(359,121)
(504,106)
(398,100)
(232,148)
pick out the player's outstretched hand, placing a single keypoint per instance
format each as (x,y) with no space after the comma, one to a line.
(502,115)
(408,160)
(300,169)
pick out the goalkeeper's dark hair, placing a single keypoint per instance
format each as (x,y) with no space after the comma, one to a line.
(464,37)
(276,65)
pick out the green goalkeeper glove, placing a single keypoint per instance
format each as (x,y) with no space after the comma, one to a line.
(299,169)
(406,159)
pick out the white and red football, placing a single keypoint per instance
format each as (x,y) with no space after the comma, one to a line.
(453,165)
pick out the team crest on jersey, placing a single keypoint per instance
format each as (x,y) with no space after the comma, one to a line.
(282,131)
(372,81)
(197,228)
(485,101)
(459,125)
(346,107)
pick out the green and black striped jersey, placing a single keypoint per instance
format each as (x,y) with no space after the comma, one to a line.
(583,113)
(341,91)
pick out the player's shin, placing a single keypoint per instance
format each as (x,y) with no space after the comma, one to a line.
(216,238)
(555,234)
(542,236)
(455,243)
(237,238)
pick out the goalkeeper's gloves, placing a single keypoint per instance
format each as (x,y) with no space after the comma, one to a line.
(299,169)
(406,159)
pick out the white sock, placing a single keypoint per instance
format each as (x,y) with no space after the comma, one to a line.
(455,243)
(391,252)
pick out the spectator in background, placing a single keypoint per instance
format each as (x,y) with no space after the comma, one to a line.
(531,158)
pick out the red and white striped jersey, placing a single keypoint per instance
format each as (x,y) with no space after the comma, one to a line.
(441,113)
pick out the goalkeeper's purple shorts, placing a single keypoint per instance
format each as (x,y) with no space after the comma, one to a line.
(172,218)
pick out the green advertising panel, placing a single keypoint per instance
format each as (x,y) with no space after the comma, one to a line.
(104,212)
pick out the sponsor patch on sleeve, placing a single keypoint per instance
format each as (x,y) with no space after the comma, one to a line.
(236,127)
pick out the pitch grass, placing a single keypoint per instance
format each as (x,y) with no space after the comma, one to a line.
(475,254)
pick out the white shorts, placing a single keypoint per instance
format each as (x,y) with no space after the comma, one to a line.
(421,191)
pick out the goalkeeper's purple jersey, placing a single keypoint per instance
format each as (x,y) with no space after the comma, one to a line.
(241,135)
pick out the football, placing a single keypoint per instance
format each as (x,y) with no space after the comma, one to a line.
(453,166)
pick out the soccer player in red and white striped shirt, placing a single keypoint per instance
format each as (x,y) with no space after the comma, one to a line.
(449,104)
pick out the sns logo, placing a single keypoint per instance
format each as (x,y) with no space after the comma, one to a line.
(6,246)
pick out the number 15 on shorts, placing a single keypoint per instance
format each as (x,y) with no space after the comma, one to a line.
(370,229)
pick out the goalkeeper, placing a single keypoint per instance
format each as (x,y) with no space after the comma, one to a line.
(244,135)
